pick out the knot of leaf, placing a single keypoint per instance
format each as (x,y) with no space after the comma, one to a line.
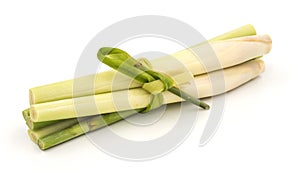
(157,84)
(153,82)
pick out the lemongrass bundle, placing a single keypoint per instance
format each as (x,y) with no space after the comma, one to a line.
(58,112)
(65,130)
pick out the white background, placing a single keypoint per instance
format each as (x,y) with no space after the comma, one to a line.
(40,43)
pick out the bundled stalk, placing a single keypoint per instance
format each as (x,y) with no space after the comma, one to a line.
(64,132)
(103,82)
(229,53)
(53,119)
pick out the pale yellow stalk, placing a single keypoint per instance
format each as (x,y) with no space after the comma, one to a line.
(226,53)
(64,90)
(139,98)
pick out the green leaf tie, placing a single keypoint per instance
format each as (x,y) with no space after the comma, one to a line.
(153,82)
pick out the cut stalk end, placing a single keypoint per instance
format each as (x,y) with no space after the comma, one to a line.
(31,97)
(32,136)
(30,124)
(33,114)
(41,145)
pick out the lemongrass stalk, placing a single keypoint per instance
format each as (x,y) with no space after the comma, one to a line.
(26,114)
(35,125)
(39,125)
(136,98)
(64,89)
(246,30)
(78,129)
(50,129)
(233,77)
(228,52)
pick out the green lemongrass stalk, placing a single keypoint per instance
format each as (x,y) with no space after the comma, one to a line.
(36,125)
(35,135)
(136,98)
(234,76)
(87,125)
(246,30)
(64,89)
(26,114)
